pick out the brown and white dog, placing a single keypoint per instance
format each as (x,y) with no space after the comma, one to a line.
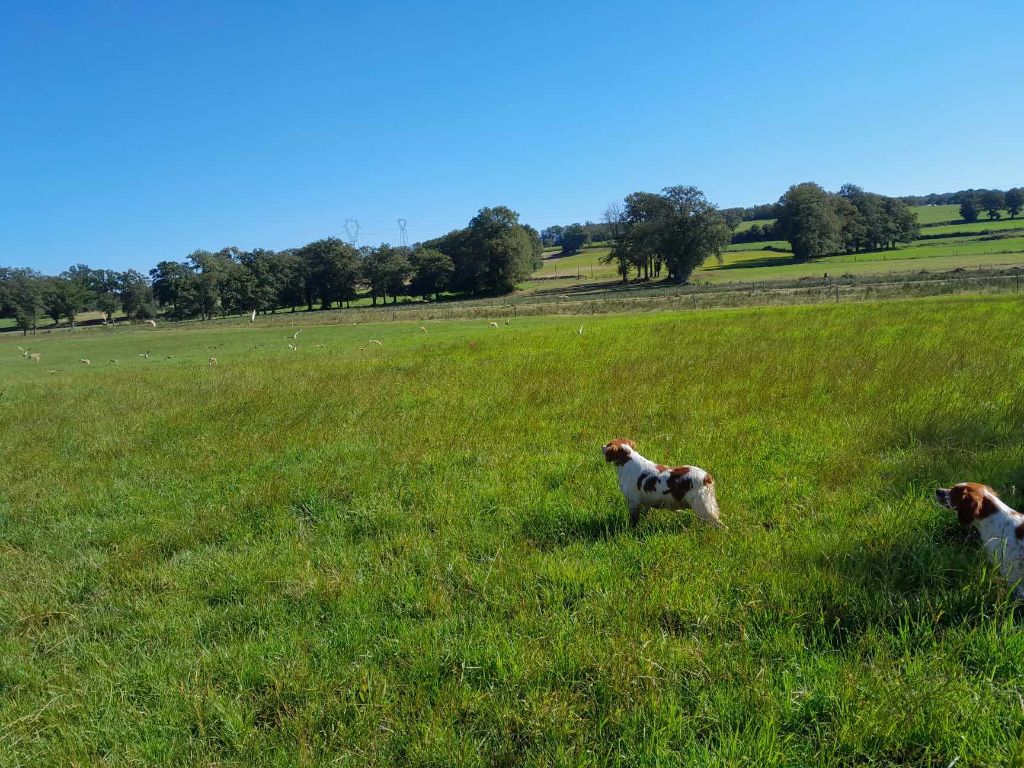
(646,484)
(1001,528)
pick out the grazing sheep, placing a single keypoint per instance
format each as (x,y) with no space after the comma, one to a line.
(34,357)
(85,361)
(493,324)
(144,354)
(213,361)
(423,329)
(113,360)
(374,341)
(51,372)
(151,322)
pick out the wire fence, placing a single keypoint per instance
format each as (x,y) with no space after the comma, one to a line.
(636,298)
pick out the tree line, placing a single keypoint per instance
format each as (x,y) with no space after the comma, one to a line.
(489,256)
(946,198)
(820,223)
(678,229)
(573,237)
(993,202)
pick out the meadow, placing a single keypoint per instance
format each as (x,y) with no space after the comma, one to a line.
(412,553)
(962,245)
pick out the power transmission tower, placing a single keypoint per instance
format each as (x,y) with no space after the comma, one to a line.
(402,236)
(352,231)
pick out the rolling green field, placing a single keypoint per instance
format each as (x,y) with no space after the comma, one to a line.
(749,262)
(930,214)
(981,226)
(933,255)
(412,553)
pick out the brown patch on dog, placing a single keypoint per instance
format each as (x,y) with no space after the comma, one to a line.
(651,483)
(679,482)
(617,451)
(971,502)
(660,467)
(708,479)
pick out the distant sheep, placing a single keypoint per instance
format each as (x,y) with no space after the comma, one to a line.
(151,322)
(34,357)
(378,343)
(213,361)
(493,324)
(85,361)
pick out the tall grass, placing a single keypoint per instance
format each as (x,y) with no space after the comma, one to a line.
(413,554)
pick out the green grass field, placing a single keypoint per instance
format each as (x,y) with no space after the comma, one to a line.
(413,553)
(933,255)
(743,226)
(750,262)
(930,214)
(980,226)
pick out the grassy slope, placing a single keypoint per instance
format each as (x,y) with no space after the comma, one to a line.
(933,255)
(414,554)
(930,214)
(746,262)
(983,225)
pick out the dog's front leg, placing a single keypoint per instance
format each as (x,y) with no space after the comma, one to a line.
(634,514)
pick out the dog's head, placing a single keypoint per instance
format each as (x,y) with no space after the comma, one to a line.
(970,501)
(618,451)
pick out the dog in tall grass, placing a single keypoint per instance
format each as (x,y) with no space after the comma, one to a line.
(645,484)
(1000,527)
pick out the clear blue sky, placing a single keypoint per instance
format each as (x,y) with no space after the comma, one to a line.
(135,132)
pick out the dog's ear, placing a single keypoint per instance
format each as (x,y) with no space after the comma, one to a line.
(970,502)
(617,451)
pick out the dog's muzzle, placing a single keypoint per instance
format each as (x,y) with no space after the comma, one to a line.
(942,497)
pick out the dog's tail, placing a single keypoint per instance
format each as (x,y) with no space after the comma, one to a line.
(706,506)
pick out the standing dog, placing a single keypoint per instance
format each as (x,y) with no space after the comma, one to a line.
(1001,528)
(646,484)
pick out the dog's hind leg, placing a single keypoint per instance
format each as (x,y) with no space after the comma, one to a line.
(634,515)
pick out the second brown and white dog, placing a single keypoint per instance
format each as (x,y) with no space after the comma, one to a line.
(1001,528)
(650,485)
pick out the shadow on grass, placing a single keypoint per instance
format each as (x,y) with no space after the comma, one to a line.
(933,575)
(548,531)
(764,261)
